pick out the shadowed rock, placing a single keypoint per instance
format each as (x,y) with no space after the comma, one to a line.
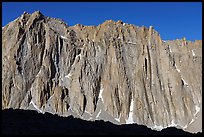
(15,122)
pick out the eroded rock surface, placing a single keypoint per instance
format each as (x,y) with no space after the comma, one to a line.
(115,71)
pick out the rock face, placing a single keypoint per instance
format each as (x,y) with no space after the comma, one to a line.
(114,71)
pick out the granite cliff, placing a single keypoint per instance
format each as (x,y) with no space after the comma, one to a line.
(115,72)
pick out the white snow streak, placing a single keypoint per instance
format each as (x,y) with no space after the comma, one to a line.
(184,127)
(68,76)
(70,109)
(192,121)
(185,83)
(164,41)
(170,49)
(100,93)
(162,87)
(117,119)
(36,107)
(197,108)
(130,117)
(193,52)
(63,37)
(177,68)
(51,97)
(87,112)
(98,114)
(131,43)
(78,55)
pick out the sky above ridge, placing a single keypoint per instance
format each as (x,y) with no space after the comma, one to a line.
(173,20)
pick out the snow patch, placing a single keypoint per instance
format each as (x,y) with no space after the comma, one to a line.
(192,121)
(36,107)
(63,37)
(68,76)
(124,24)
(164,41)
(184,127)
(70,109)
(185,83)
(172,124)
(117,119)
(157,128)
(78,55)
(170,49)
(162,86)
(88,112)
(177,68)
(51,97)
(193,52)
(100,93)
(197,108)
(130,117)
(98,114)
(131,43)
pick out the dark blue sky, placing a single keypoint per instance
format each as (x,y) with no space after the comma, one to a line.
(171,19)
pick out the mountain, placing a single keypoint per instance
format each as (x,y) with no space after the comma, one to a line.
(114,72)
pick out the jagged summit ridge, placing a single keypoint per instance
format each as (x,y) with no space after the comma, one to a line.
(114,71)
(106,22)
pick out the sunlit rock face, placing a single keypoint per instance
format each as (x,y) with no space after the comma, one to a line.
(115,72)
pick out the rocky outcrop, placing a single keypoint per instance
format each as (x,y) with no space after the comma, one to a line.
(115,71)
